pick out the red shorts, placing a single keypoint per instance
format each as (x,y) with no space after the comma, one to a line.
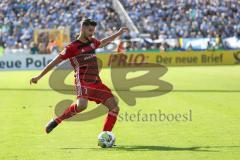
(97,92)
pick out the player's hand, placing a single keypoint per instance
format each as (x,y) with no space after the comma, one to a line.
(122,30)
(34,80)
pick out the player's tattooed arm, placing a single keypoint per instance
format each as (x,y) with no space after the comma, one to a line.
(109,39)
(50,66)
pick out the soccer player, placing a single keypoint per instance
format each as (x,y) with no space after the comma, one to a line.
(88,84)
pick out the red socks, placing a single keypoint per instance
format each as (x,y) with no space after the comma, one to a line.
(110,121)
(69,112)
(72,110)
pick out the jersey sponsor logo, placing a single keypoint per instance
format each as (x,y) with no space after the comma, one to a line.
(93,45)
(89,57)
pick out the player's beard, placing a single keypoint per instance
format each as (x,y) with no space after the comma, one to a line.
(87,37)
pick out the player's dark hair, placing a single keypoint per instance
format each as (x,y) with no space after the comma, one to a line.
(89,22)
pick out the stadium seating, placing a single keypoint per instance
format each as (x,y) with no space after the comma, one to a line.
(163,20)
(188,19)
(18,19)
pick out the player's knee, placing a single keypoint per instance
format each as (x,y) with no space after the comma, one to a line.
(81,107)
(82,104)
(115,109)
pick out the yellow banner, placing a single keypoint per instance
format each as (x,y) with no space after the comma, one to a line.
(46,39)
(188,58)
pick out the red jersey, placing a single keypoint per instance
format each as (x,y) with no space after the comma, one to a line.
(83,59)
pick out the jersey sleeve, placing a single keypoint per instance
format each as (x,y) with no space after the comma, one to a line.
(67,52)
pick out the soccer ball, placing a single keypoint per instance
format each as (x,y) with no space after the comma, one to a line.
(106,139)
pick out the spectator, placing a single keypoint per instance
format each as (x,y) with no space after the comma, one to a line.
(18,19)
(161,19)
(33,48)
(187,19)
(52,46)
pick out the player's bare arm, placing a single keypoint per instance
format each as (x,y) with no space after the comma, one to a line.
(49,67)
(109,39)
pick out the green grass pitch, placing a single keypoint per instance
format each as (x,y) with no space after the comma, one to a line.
(213,133)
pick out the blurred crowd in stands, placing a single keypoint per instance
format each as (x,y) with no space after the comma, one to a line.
(185,18)
(19,18)
(155,19)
